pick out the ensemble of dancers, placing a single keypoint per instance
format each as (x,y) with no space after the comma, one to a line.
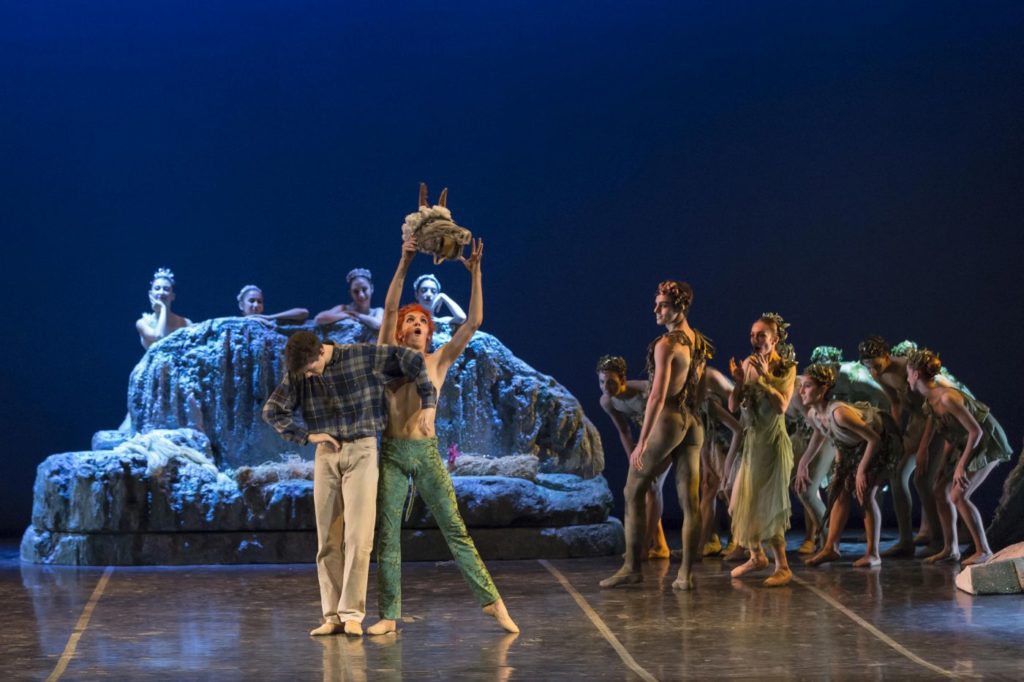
(750,436)
(767,428)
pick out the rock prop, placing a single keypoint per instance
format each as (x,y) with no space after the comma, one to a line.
(1007,525)
(1002,574)
(215,376)
(158,499)
(202,479)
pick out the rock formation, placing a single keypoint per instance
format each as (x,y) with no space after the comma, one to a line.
(215,376)
(157,498)
(202,479)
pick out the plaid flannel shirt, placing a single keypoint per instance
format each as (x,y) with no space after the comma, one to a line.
(346,401)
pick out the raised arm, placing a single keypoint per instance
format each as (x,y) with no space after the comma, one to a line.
(458,315)
(393,301)
(460,339)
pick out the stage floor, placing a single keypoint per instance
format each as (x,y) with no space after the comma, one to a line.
(905,620)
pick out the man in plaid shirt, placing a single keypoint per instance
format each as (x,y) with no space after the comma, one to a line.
(338,391)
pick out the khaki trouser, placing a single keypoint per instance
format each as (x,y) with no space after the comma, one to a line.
(345,501)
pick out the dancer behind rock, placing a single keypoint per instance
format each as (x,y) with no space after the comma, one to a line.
(409,449)
(360,288)
(671,431)
(722,437)
(250,302)
(338,392)
(760,501)
(427,290)
(973,445)
(868,445)
(907,408)
(624,401)
(160,323)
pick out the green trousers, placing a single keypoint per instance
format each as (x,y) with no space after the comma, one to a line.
(420,459)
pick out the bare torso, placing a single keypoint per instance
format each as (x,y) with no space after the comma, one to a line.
(404,403)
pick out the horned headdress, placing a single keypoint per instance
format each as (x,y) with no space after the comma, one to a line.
(435,231)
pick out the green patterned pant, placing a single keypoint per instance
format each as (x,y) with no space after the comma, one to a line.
(400,459)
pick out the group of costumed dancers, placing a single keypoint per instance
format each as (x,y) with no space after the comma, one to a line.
(858,425)
(766,428)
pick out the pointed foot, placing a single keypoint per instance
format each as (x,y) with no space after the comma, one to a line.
(498,611)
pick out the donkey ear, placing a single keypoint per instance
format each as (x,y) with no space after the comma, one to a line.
(423,194)
(442,200)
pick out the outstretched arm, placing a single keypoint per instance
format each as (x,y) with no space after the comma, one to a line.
(460,338)
(389,323)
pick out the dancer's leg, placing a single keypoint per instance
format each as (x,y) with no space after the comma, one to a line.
(947,520)
(837,517)
(654,536)
(782,575)
(392,492)
(872,529)
(330,532)
(899,484)
(665,436)
(687,461)
(972,517)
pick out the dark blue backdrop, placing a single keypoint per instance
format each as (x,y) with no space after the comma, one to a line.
(856,168)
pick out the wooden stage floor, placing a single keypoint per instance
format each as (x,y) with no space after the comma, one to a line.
(903,621)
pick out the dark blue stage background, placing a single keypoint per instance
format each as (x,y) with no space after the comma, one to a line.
(857,168)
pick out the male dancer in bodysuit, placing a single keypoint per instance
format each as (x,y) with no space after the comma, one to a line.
(409,448)
(339,392)
(675,363)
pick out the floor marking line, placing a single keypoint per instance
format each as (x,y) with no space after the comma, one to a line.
(80,626)
(603,628)
(886,639)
